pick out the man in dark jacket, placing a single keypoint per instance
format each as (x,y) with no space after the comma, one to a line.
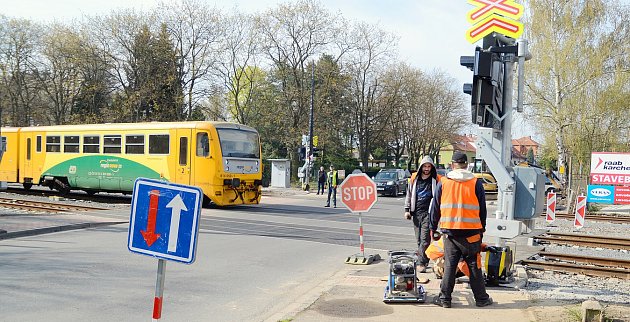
(417,202)
(459,208)
(321,180)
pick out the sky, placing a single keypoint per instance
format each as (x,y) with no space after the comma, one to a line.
(431,33)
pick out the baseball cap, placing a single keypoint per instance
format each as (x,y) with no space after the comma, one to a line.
(459,157)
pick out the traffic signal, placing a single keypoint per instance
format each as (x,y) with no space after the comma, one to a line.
(301,153)
(486,89)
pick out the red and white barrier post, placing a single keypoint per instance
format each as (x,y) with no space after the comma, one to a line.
(551,207)
(580,212)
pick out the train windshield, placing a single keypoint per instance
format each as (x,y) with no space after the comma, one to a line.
(239,143)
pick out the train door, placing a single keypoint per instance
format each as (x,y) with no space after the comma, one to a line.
(29,157)
(183,155)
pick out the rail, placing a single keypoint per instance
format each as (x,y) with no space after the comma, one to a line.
(585,265)
(584,240)
(44,206)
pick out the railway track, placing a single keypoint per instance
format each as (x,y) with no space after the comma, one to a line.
(31,205)
(106,198)
(585,265)
(612,218)
(584,240)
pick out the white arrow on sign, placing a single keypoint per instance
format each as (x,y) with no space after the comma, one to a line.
(177,205)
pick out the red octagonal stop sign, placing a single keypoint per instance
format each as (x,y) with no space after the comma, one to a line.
(358,192)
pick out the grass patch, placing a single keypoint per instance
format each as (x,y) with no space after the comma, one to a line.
(574,313)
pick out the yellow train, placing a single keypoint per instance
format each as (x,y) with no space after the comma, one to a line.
(223,159)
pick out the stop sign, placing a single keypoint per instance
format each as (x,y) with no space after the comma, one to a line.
(358,192)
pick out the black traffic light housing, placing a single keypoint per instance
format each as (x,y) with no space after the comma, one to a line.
(486,89)
(301,153)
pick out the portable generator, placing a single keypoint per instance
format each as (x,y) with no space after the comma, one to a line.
(402,284)
(499,266)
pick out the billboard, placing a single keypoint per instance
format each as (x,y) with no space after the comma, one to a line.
(610,168)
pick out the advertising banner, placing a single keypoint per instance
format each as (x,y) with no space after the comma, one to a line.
(622,195)
(610,163)
(601,194)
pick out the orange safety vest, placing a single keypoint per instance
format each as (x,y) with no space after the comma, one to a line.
(459,206)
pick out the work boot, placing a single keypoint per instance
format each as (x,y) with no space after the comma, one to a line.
(443,303)
(485,302)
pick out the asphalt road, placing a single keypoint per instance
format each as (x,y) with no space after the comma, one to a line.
(252,262)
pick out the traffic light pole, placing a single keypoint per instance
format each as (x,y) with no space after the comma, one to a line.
(493,75)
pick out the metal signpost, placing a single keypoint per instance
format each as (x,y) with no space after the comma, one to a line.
(358,194)
(164,224)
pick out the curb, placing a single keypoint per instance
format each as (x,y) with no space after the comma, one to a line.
(48,230)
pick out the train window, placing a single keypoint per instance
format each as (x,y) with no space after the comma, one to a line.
(28,148)
(38,144)
(183,150)
(53,143)
(134,144)
(91,144)
(158,144)
(203,145)
(112,143)
(71,144)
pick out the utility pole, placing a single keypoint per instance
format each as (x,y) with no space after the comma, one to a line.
(309,151)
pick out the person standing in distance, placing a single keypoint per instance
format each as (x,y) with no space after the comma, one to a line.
(459,208)
(417,203)
(321,180)
(332,186)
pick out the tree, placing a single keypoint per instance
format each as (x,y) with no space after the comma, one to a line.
(59,72)
(238,67)
(196,31)
(293,34)
(575,82)
(17,58)
(365,65)
(530,156)
(435,113)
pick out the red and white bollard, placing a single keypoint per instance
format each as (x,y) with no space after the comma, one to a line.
(580,212)
(361,245)
(551,207)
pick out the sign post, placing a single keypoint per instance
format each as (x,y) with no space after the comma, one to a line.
(580,211)
(164,224)
(551,207)
(358,194)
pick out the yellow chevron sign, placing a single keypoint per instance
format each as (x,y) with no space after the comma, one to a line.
(489,16)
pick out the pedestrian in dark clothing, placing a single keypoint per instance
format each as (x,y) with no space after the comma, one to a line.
(459,208)
(332,186)
(417,203)
(321,180)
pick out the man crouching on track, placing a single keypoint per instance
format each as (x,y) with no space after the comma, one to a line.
(459,207)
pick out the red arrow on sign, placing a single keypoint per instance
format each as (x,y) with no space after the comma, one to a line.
(149,235)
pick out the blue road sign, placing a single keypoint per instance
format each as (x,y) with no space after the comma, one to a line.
(164,220)
(600,194)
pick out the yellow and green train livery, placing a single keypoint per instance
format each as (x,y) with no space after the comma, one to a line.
(223,159)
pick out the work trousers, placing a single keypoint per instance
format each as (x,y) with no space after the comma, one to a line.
(421,228)
(456,248)
(320,187)
(332,191)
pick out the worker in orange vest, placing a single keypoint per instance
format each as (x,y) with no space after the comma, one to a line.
(459,208)
(435,252)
